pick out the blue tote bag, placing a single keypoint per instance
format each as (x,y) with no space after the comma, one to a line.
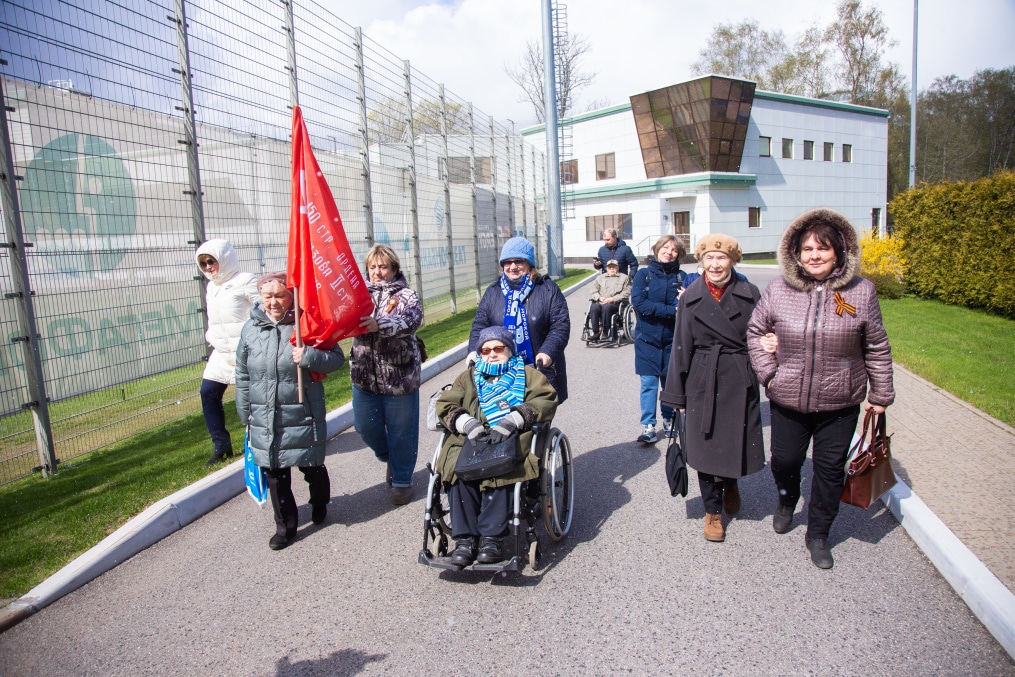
(255,476)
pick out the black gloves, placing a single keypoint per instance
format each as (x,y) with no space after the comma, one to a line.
(506,427)
(469,426)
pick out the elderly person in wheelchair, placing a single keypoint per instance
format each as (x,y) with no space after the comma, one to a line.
(609,291)
(497,398)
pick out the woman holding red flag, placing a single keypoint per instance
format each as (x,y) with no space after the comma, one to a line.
(385,366)
(283,432)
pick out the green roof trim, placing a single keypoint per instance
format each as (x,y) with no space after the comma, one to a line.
(820,103)
(668,183)
(758,94)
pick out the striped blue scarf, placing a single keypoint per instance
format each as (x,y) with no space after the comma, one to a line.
(505,390)
(515,319)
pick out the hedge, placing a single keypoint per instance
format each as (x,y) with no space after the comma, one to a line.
(959,242)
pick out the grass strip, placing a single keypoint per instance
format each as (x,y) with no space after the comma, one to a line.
(969,353)
(46,523)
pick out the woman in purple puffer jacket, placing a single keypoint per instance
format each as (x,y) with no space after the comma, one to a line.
(816,342)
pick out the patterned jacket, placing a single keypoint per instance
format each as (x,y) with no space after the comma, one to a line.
(387,362)
(832,342)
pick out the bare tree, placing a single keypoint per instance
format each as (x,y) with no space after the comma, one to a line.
(743,50)
(387,119)
(806,70)
(861,38)
(527,73)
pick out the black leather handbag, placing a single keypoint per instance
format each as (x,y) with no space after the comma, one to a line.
(480,460)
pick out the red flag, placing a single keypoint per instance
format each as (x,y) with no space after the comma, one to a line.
(332,293)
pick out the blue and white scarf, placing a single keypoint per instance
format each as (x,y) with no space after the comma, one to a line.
(505,390)
(515,319)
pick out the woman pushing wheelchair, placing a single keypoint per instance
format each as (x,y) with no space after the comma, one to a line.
(497,398)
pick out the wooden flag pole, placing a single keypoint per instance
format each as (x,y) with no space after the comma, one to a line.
(299,342)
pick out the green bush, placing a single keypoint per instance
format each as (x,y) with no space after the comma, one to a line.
(888,285)
(958,242)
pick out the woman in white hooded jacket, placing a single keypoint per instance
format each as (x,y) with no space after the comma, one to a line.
(230,296)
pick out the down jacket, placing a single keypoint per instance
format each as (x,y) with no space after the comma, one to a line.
(710,376)
(654,297)
(827,353)
(539,405)
(627,262)
(229,297)
(549,325)
(387,361)
(283,432)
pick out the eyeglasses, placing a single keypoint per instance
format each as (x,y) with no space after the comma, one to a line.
(495,349)
(208,263)
(513,262)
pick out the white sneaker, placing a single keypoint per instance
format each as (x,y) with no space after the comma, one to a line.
(667,427)
(648,436)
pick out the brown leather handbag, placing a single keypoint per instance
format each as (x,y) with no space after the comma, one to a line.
(869,474)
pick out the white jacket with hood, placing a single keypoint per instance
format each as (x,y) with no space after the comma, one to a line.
(230,296)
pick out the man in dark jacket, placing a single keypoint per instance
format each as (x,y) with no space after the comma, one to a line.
(615,248)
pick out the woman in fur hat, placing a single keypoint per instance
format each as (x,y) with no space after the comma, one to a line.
(830,344)
(710,377)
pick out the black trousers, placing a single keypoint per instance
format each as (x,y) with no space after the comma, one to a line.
(284,503)
(711,492)
(602,315)
(831,432)
(215,414)
(475,513)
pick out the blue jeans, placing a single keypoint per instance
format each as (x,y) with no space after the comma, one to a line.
(389,424)
(649,397)
(215,414)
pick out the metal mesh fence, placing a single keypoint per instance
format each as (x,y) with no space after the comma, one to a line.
(138,129)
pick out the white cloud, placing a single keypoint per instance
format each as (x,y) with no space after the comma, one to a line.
(644,44)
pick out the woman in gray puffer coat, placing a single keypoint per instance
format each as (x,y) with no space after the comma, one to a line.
(283,431)
(816,341)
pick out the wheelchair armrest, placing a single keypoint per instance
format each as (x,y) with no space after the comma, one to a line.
(540,434)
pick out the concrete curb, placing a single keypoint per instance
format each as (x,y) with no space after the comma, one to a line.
(180,509)
(988,598)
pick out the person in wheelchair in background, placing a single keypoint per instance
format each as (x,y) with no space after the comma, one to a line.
(494,399)
(609,291)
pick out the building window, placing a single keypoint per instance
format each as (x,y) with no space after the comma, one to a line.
(595,225)
(459,170)
(787,148)
(606,167)
(847,152)
(568,172)
(829,150)
(876,220)
(808,150)
(765,146)
(754,217)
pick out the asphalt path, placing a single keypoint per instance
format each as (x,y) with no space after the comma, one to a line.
(633,588)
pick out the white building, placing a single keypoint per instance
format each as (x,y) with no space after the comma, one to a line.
(716,155)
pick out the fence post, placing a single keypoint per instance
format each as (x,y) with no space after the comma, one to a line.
(521,170)
(410,131)
(190,141)
(510,182)
(446,180)
(39,403)
(290,48)
(493,189)
(475,208)
(536,182)
(364,140)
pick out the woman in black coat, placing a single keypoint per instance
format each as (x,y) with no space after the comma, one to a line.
(540,319)
(711,378)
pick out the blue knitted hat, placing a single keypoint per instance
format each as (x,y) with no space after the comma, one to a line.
(518,248)
(497,333)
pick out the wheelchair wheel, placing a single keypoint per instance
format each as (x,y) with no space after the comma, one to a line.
(440,512)
(557,486)
(630,318)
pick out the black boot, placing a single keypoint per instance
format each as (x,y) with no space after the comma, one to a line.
(464,553)
(491,550)
(821,554)
(219,455)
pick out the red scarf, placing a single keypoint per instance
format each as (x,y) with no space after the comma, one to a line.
(715,291)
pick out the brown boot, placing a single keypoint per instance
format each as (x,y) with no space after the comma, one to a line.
(731,497)
(713,528)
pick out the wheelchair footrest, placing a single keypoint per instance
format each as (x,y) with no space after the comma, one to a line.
(516,563)
(427,559)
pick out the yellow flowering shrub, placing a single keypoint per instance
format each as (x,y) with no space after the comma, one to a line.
(882,262)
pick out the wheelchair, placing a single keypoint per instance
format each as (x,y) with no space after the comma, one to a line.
(549,499)
(620,331)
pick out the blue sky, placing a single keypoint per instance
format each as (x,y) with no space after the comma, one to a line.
(644,44)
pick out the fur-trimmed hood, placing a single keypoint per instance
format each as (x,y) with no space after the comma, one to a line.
(840,277)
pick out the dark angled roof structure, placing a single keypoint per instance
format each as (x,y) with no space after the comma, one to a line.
(695,126)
